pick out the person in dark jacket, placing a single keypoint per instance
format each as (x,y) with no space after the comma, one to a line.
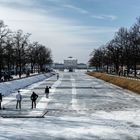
(34,97)
(57,76)
(47,91)
(0,100)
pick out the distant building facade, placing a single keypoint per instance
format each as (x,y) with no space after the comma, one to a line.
(70,63)
(58,66)
(81,66)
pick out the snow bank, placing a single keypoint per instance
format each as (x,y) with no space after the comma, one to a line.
(7,87)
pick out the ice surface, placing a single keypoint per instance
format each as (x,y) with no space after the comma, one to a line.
(104,112)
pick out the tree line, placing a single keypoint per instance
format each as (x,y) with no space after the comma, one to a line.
(17,52)
(120,55)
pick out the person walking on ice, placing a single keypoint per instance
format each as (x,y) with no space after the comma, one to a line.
(19,99)
(57,76)
(0,100)
(47,91)
(34,97)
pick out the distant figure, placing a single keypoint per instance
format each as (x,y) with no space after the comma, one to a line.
(47,90)
(57,76)
(19,98)
(0,100)
(34,97)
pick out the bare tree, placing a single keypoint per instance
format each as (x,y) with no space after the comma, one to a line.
(31,53)
(4,31)
(21,42)
(43,56)
(9,53)
(135,43)
(97,59)
(122,51)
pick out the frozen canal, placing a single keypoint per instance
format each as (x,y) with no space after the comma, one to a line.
(79,107)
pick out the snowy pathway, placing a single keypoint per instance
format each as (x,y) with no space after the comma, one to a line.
(79,107)
(9,103)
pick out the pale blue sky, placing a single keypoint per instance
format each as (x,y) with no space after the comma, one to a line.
(70,27)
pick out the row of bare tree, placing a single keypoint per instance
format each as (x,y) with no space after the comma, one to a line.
(121,52)
(17,52)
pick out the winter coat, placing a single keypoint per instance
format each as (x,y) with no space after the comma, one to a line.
(34,96)
(19,97)
(47,90)
(0,97)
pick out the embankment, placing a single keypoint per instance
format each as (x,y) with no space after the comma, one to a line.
(8,87)
(130,84)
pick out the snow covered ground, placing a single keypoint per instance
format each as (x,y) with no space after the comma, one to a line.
(8,87)
(79,107)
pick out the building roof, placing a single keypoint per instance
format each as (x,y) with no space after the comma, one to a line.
(70,58)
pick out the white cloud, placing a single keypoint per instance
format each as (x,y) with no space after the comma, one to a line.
(19,2)
(80,10)
(104,17)
(64,37)
(83,11)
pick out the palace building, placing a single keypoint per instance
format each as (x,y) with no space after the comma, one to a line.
(70,63)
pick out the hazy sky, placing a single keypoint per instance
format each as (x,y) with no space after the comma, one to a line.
(70,27)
